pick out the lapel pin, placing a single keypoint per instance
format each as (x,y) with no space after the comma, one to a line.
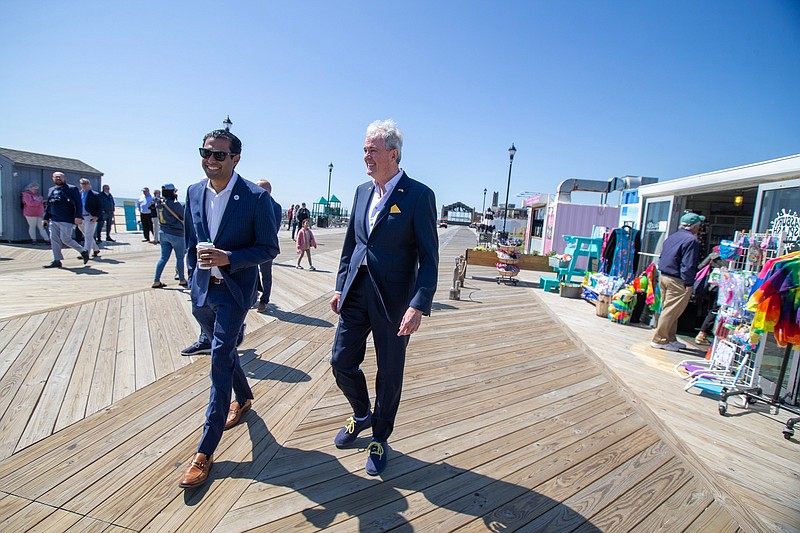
(235,196)
(399,190)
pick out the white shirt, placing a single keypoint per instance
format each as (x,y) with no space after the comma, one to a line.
(379,200)
(215,208)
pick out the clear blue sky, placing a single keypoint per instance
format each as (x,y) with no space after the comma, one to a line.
(585,89)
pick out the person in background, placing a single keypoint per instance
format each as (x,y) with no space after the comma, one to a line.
(294,219)
(155,217)
(171,236)
(91,211)
(386,282)
(289,215)
(33,211)
(677,266)
(107,215)
(302,214)
(63,213)
(305,241)
(705,289)
(144,203)
(265,268)
(236,217)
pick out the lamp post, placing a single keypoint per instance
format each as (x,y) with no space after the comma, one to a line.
(328,207)
(511,152)
(483,210)
(330,171)
(227,123)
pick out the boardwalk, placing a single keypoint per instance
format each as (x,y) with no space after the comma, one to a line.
(508,422)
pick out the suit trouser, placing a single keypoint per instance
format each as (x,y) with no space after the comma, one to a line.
(61,236)
(88,234)
(105,219)
(221,319)
(361,313)
(674,299)
(266,281)
(147,224)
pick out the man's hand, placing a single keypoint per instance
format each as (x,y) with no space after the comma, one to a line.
(334,303)
(213,257)
(45,222)
(94,219)
(410,323)
(78,221)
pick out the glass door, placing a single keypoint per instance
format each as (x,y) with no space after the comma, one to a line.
(655,227)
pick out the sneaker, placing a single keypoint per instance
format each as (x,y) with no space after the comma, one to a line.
(670,346)
(299,267)
(312,269)
(85,257)
(679,344)
(352,427)
(378,457)
(702,338)
(54,264)
(109,239)
(197,349)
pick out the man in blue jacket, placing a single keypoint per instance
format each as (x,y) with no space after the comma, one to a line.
(235,221)
(386,281)
(678,267)
(64,211)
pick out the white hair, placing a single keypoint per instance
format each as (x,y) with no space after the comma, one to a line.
(389,132)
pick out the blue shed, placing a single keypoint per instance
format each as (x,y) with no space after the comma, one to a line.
(18,169)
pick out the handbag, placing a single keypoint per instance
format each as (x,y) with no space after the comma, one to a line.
(171,212)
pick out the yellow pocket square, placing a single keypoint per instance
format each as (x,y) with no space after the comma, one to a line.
(394,209)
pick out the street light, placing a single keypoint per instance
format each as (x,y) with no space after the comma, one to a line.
(484,202)
(227,123)
(511,152)
(330,171)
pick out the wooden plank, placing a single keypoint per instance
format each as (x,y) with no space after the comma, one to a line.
(101,392)
(158,334)
(76,396)
(44,416)
(14,337)
(680,510)
(125,367)
(143,360)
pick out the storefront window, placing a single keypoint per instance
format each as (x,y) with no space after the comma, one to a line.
(779,215)
(655,227)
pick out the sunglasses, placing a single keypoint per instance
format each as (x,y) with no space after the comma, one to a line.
(205,153)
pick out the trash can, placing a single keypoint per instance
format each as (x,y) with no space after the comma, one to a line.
(322,221)
(130,215)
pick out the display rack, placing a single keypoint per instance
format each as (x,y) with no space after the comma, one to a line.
(507,259)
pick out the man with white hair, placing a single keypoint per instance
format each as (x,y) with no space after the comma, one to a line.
(678,267)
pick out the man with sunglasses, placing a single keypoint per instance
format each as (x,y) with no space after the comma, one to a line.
(236,220)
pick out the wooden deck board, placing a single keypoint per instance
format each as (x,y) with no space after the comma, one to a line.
(498,429)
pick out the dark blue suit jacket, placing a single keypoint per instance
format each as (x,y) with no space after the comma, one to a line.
(248,232)
(402,251)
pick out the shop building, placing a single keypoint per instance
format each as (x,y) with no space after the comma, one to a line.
(756,198)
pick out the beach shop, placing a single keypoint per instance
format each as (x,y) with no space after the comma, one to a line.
(753,212)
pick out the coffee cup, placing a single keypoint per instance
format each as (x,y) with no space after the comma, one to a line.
(203,246)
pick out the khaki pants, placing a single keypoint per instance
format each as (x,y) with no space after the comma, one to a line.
(674,299)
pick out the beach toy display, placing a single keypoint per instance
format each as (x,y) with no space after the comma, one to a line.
(621,306)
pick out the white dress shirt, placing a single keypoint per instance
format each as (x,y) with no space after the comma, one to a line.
(215,208)
(379,200)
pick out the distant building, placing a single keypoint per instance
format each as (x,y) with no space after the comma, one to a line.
(18,169)
(457,214)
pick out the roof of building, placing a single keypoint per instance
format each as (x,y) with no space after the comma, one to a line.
(31,159)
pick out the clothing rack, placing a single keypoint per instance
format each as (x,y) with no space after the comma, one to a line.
(754,394)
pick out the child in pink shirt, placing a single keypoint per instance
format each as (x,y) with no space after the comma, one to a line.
(305,240)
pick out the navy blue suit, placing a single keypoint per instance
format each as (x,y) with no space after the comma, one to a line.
(402,256)
(248,233)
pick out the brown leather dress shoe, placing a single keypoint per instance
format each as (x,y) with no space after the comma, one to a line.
(197,473)
(236,413)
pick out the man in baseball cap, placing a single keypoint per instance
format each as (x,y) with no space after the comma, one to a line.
(678,267)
